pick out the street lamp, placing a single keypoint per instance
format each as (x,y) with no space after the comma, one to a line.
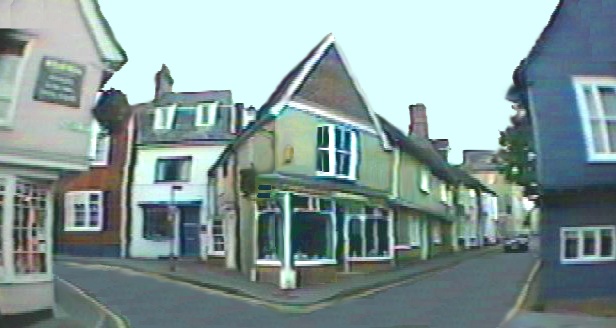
(172,215)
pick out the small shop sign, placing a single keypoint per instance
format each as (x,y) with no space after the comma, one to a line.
(59,82)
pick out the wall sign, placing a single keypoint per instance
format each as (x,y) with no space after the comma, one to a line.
(59,82)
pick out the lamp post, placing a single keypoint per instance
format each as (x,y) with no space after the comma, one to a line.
(172,218)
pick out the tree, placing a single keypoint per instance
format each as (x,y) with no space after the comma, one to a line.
(516,156)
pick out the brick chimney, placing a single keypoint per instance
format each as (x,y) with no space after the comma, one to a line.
(442,146)
(163,82)
(419,121)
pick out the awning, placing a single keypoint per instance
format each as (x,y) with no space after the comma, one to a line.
(168,203)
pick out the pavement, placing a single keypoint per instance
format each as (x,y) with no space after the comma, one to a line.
(556,320)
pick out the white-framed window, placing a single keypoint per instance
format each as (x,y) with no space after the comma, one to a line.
(424,180)
(596,98)
(312,230)
(270,231)
(217,243)
(173,169)
(100,144)
(337,151)
(11,62)
(437,233)
(368,234)
(83,211)
(587,244)
(163,117)
(30,244)
(206,114)
(443,190)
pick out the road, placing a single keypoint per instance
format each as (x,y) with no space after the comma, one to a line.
(476,293)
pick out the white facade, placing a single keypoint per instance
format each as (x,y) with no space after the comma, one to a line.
(146,190)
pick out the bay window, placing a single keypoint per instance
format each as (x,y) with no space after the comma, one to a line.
(337,152)
(581,244)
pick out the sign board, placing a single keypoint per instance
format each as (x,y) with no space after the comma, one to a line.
(59,82)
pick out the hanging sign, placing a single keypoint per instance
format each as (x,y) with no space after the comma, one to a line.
(59,82)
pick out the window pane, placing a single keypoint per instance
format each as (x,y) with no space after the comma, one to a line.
(608,100)
(590,101)
(205,108)
(311,236)
(589,243)
(355,248)
(323,136)
(607,242)
(597,136)
(184,118)
(339,135)
(571,244)
(383,244)
(343,163)
(155,223)
(323,160)
(270,236)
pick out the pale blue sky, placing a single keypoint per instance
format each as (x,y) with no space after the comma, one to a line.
(456,57)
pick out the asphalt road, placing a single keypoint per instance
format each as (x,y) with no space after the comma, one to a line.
(476,293)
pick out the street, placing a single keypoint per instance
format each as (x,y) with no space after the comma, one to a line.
(476,293)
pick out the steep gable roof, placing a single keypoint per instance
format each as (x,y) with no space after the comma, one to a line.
(108,47)
(323,78)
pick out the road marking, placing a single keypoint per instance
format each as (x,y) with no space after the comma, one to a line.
(116,318)
(522,296)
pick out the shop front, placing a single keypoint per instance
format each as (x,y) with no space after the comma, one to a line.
(306,238)
(26,278)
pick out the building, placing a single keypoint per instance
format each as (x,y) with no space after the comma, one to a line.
(179,136)
(92,211)
(567,85)
(43,78)
(321,185)
(509,219)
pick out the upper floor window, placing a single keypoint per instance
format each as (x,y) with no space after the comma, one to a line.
(100,142)
(424,180)
(579,244)
(597,102)
(173,169)
(83,211)
(443,190)
(11,53)
(185,116)
(337,152)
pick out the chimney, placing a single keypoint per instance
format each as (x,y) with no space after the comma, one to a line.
(163,81)
(237,123)
(442,146)
(419,121)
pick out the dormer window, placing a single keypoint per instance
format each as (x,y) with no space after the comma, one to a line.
(185,116)
(206,114)
(337,152)
(597,103)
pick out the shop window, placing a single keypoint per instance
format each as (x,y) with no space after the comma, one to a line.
(270,232)
(312,236)
(29,228)
(155,223)
(369,234)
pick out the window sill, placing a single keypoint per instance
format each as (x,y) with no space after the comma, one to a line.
(298,263)
(99,164)
(216,253)
(83,229)
(588,260)
(369,259)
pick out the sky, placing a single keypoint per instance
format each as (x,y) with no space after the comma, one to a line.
(456,57)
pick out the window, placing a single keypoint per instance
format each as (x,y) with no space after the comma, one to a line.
(83,211)
(312,235)
(424,180)
(173,169)
(218,236)
(163,117)
(415,233)
(436,233)
(336,152)
(184,118)
(156,224)
(206,114)
(369,234)
(597,102)
(443,189)
(270,232)
(100,142)
(579,244)
(11,52)
(29,228)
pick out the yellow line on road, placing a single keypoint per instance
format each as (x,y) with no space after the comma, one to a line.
(116,318)
(522,296)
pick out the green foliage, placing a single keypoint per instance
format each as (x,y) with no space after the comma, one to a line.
(516,156)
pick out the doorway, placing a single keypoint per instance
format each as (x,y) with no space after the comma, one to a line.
(189,231)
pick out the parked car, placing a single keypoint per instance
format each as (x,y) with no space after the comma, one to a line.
(516,244)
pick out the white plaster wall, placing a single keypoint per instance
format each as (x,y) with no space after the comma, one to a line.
(145,190)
